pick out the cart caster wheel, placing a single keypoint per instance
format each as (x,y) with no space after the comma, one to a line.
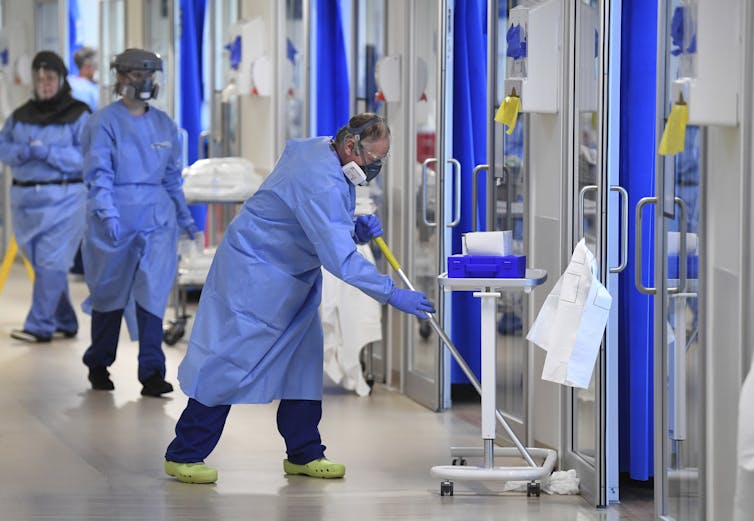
(459,461)
(446,488)
(173,334)
(425,330)
(533,489)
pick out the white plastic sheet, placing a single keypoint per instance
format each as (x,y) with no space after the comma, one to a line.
(221,179)
(572,321)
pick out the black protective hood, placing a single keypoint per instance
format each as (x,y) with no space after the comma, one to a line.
(62,108)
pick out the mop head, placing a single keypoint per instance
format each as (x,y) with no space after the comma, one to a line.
(562,482)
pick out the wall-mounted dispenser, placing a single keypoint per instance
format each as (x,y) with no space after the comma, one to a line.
(533,56)
(247,43)
(387,77)
(705,35)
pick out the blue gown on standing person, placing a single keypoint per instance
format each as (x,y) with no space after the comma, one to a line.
(133,169)
(47,200)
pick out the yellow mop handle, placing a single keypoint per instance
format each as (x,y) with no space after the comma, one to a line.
(388,254)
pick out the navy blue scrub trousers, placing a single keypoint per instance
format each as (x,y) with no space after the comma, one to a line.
(199,428)
(105,333)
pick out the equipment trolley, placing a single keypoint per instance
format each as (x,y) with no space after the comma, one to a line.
(489,290)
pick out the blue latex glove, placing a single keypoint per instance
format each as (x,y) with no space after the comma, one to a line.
(677,30)
(414,302)
(39,152)
(191,229)
(24,154)
(367,228)
(112,227)
(516,46)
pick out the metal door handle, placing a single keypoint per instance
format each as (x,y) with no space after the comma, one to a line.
(624,229)
(682,254)
(475,193)
(582,196)
(203,137)
(425,169)
(457,198)
(637,260)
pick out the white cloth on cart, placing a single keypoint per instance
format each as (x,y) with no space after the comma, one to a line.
(572,321)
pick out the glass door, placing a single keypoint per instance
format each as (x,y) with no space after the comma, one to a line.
(369,46)
(507,203)
(224,109)
(679,236)
(431,23)
(598,219)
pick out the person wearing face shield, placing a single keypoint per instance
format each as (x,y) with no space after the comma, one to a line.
(135,208)
(257,335)
(40,142)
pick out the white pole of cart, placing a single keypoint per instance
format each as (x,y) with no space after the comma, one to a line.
(489,299)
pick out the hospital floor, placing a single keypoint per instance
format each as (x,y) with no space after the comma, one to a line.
(70,453)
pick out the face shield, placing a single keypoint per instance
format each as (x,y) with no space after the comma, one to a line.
(138,74)
(48,73)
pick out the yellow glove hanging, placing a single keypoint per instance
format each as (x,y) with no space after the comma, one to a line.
(507,114)
(674,135)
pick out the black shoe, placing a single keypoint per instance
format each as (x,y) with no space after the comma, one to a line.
(155,385)
(100,379)
(67,334)
(28,336)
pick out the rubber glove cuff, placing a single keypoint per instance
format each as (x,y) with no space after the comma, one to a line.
(112,227)
(191,230)
(367,227)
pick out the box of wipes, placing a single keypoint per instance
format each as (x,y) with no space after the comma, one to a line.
(487,255)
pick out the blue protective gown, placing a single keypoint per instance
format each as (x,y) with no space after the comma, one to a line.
(48,220)
(132,165)
(257,335)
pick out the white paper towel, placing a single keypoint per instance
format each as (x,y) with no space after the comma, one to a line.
(488,243)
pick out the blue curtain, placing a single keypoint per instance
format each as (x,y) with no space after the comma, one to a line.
(192,28)
(73,43)
(332,103)
(470,123)
(637,166)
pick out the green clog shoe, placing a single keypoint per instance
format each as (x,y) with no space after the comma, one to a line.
(319,468)
(191,472)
